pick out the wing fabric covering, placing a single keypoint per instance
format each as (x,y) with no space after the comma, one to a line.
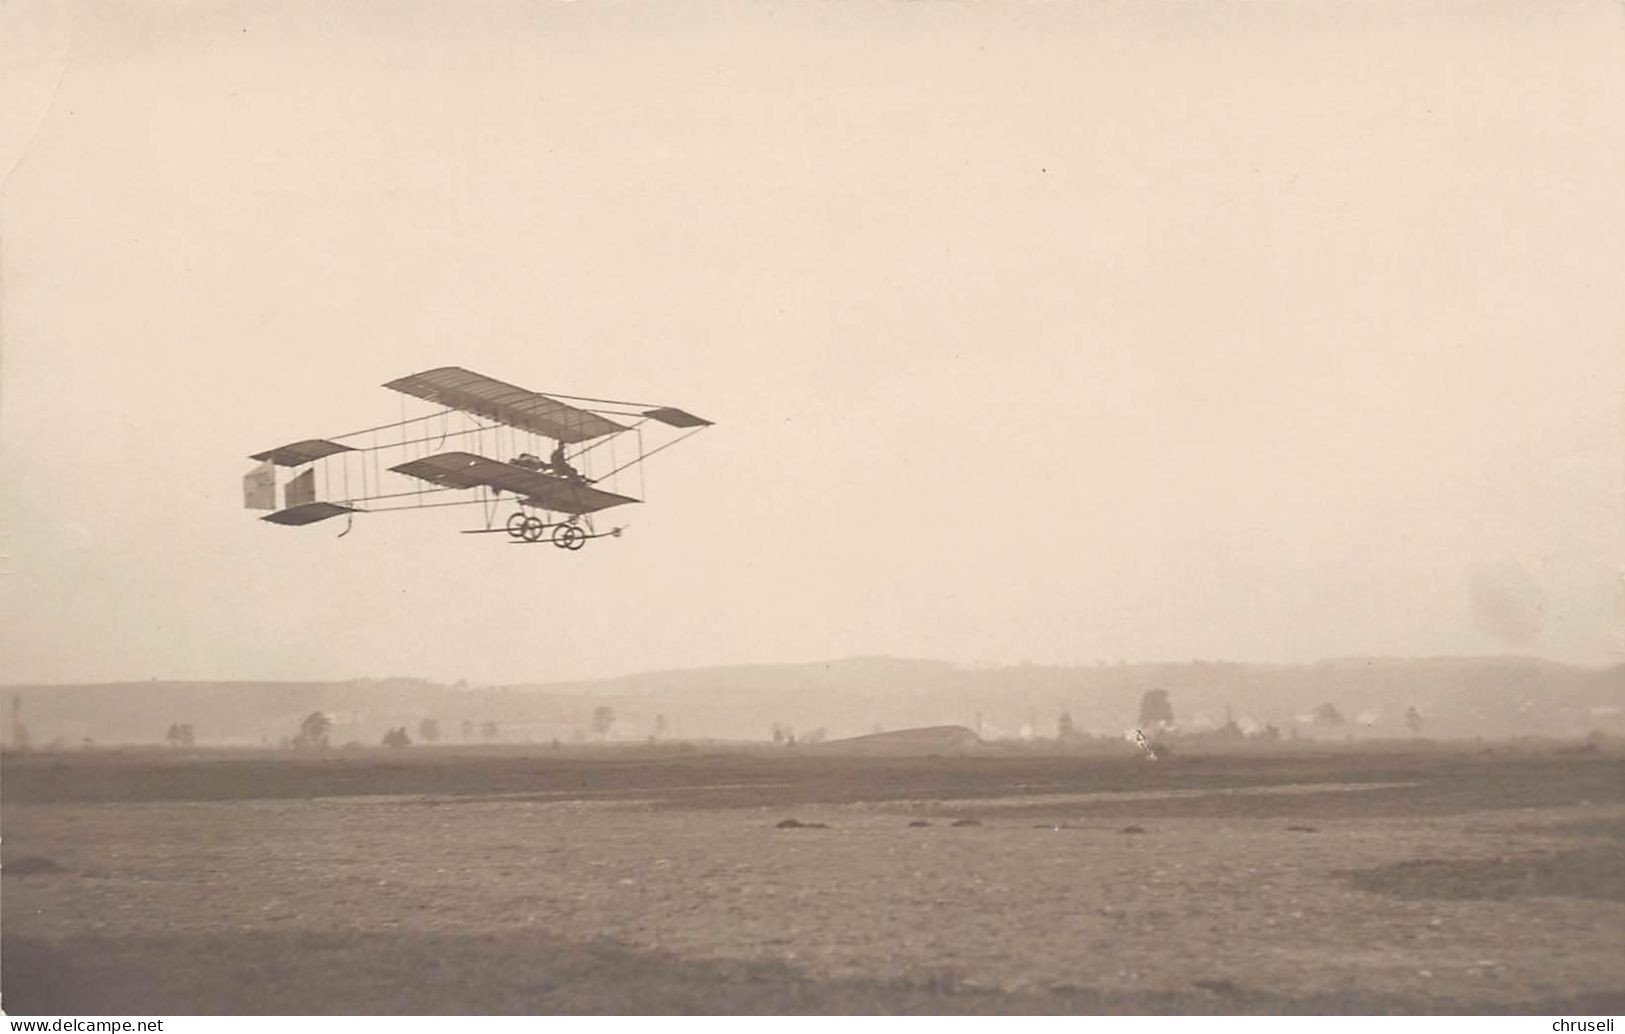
(674,417)
(301,490)
(300,453)
(483,396)
(307,513)
(259,487)
(466,470)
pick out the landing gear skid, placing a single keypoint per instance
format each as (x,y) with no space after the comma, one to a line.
(570,536)
(529,530)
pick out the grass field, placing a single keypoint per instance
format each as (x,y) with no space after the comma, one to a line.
(1481,879)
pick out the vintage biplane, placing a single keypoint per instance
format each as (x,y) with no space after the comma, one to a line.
(481,446)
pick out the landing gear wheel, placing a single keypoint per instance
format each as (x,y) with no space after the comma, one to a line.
(568,536)
(532,529)
(516,524)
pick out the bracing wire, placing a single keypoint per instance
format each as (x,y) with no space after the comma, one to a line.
(386,427)
(416,491)
(441,438)
(606,438)
(651,452)
(422,506)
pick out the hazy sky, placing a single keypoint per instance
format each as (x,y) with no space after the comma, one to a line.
(1032,331)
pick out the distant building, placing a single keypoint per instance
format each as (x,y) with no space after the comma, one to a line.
(929,739)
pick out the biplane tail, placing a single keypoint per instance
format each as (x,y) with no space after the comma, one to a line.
(300,505)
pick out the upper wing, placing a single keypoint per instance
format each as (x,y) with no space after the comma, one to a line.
(484,396)
(466,470)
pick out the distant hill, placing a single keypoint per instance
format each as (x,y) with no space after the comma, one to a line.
(1456,697)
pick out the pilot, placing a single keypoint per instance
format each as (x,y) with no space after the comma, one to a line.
(528,461)
(561,466)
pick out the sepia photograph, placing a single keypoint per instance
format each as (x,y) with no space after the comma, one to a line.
(1028,508)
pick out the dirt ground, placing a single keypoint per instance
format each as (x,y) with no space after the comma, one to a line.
(504,882)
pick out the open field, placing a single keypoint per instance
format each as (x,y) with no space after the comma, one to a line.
(1339,880)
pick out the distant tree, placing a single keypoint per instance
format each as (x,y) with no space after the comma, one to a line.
(489,732)
(1270,732)
(467,730)
(778,733)
(1328,714)
(660,726)
(429,730)
(397,738)
(313,732)
(1155,710)
(19,731)
(180,734)
(1064,729)
(603,717)
(1413,720)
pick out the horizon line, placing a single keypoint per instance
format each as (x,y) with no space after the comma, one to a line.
(734,666)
